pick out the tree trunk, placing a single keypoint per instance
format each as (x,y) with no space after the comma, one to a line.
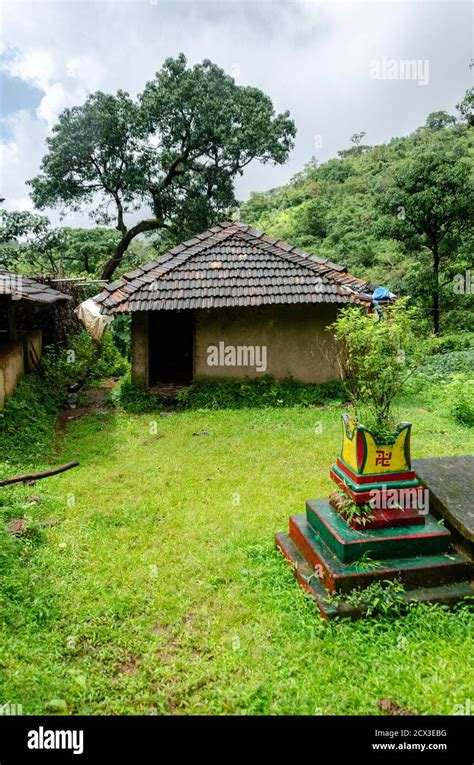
(435,308)
(112,264)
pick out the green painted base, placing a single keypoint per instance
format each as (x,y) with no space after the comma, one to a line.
(412,572)
(350,544)
(448,594)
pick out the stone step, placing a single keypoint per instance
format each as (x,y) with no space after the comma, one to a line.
(448,594)
(412,572)
(350,544)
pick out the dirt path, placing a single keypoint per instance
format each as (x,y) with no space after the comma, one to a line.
(94,404)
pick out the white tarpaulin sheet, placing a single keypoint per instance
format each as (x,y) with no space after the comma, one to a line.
(95,324)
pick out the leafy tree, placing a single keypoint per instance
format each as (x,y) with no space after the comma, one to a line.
(466,107)
(85,250)
(176,149)
(356,138)
(357,147)
(428,207)
(439,120)
(26,239)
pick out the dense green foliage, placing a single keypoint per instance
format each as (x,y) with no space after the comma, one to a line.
(28,245)
(175,149)
(27,242)
(81,362)
(27,423)
(264,391)
(441,366)
(449,372)
(136,399)
(234,394)
(377,210)
(426,203)
(28,419)
(460,397)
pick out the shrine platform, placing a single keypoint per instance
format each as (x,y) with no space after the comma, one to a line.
(433,561)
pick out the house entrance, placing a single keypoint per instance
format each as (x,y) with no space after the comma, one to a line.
(171,347)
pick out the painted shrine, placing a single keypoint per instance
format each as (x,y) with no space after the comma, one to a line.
(383,522)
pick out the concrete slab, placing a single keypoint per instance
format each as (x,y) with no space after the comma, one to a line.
(450,481)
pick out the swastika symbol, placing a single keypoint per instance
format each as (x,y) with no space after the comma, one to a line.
(383,458)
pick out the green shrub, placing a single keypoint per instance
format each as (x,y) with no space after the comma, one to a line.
(441,366)
(379,355)
(121,333)
(453,342)
(460,397)
(136,399)
(260,392)
(211,395)
(110,361)
(82,361)
(72,365)
(27,421)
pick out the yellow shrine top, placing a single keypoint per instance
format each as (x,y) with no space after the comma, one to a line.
(364,456)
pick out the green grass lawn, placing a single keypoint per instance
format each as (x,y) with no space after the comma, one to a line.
(161,591)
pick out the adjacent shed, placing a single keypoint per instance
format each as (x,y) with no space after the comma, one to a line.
(20,349)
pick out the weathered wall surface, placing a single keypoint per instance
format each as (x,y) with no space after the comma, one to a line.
(140,353)
(296,339)
(14,361)
(32,348)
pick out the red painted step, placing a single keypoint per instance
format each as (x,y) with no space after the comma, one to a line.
(336,576)
(448,594)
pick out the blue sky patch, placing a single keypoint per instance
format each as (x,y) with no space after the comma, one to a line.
(17,94)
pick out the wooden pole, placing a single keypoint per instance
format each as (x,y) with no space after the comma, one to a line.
(37,476)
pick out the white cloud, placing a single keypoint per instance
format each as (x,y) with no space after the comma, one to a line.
(35,66)
(55,100)
(311,58)
(87,70)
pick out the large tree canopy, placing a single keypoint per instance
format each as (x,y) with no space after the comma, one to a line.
(428,206)
(176,149)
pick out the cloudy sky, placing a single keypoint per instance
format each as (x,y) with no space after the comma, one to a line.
(333,65)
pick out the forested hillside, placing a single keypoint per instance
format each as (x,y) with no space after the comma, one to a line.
(399,214)
(386,211)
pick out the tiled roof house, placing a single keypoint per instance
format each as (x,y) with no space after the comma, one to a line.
(232,287)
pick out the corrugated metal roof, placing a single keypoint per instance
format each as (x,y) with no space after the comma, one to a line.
(230,265)
(19,287)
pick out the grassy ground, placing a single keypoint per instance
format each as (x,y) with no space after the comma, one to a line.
(161,592)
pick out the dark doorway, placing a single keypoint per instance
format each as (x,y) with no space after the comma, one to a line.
(171,347)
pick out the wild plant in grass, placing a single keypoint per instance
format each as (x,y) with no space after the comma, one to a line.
(378,356)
